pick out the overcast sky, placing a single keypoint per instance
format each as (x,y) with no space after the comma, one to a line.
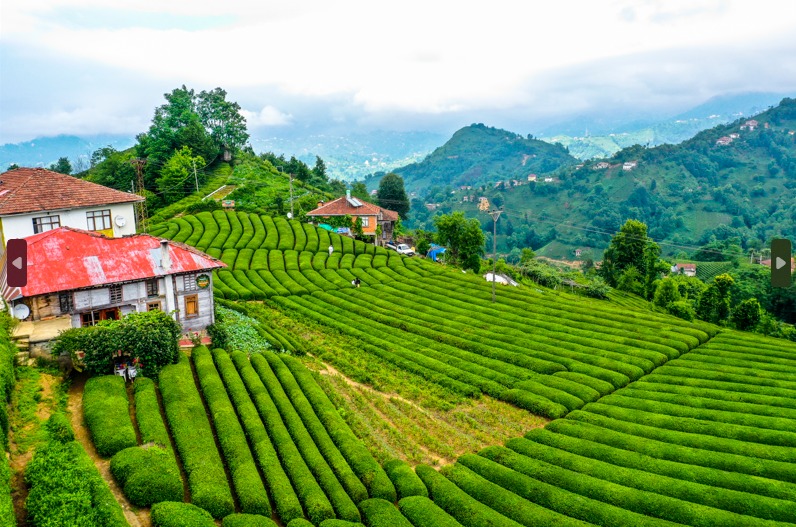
(99,66)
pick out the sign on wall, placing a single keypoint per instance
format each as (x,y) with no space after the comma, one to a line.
(203,281)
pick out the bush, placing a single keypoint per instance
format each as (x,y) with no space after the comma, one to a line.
(406,482)
(300,522)
(106,409)
(178,514)
(423,512)
(381,513)
(59,429)
(147,414)
(194,439)
(247,520)
(681,309)
(147,475)
(339,523)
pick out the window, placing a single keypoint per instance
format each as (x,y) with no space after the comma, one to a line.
(192,306)
(88,319)
(153,306)
(115,294)
(365,221)
(189,283)
(152,288)
(99,220)
(46,223)
(66,302)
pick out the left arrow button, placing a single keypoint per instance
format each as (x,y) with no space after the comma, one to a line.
(17,254)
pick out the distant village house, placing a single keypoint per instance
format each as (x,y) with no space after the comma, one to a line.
(629,165)
(372,216)
(687,269)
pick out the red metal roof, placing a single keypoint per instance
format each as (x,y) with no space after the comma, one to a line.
(342,207)
(66,258)
(35,189)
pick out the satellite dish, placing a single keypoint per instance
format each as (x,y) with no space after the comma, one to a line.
(21,311)
(290,215)
(121,221)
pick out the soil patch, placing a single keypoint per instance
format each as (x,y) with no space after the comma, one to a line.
(136,517)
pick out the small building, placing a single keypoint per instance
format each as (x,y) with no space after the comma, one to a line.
(372,216)
(629,165)
(35,200)
(532,177)
(750,125)
(602,165)
(548,180)
(86,277)
(578,252)
(734,136)
(687,269)
(723,141)
(500,278)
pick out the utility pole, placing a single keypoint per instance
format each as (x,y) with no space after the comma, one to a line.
(495,215)
(195,177)
(140,209)
(291,197)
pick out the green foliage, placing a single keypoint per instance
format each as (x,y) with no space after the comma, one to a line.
(423,512)
(666,293)
(178,514)
(59,429)
(106,410)
(62,165)
(404,478)
(382,513)
(233,330)
(714,302)
(147,475)
(462,238)
(152,337)
(147,413)
(65,488)
(247,520)
(746,315)
(681,309)
(392,196)
(177,175)
(194,439)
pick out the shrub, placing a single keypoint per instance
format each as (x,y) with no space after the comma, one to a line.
(245,477)
(178,514)
(406,482)
(536,404)
(106,409)
(381,513)
(423,512)
(300,522)
(147,475)
(59,429)
(333,522)
(247,520)
(681,309)
(194,439)
(147,414)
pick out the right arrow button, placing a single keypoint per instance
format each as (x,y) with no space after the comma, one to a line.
(780,263)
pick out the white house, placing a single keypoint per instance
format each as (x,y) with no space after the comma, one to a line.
(87,277)
(34,200)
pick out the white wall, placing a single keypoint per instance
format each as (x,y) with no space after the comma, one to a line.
(21,225)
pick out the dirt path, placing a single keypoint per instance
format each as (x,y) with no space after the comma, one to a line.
(135,517)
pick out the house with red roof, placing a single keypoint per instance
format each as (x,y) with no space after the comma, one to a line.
(35,200)
(86,277)
(372,216)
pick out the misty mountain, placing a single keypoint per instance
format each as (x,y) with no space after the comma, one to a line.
(43,151)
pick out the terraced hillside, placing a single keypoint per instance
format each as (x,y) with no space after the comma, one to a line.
(655,421)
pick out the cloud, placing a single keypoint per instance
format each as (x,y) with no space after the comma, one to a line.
(268,116)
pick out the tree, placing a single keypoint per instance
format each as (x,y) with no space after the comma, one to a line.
(463,239)
(625,250)
(392,194)
(746,315)
(222,119)
(319,170)
(360,191)
(714,303)
(62,166)
(666,293)
(13,166)
(177,177)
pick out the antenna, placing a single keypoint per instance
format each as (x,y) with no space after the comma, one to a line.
(140,207)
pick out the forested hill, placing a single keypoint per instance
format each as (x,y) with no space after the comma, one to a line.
(478,155)
(733,182)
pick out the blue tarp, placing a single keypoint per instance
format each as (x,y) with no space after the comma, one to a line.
(435,252)
(342,230)
(326,227)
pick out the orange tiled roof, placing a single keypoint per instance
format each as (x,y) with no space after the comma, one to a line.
(34,189)
(342,207)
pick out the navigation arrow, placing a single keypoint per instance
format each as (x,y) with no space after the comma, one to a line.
(779,263)
(18,263)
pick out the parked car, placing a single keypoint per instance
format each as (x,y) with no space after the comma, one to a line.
(400,248)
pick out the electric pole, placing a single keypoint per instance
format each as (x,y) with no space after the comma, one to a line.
(195,177)
(140,207)
(291,196)
(495,215)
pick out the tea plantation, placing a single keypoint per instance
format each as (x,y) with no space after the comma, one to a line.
(654,420)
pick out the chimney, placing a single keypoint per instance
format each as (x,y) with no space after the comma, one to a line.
(348,194)
(165,257)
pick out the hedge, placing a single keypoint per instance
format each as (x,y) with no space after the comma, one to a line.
(194,439)
(271,240)
(147,414)
(284,498)
(570,402)
(106,410)
(299,235)
(185,230)
(235,230)
(423,512)
(300,522)
(607,502)
(343,504)
(247,520)
(406,482)
(224,229)
(248,231)
(697,450)
(178,514)
(461,506)
(246,479)
(381,513)
(198,229)
(339,523)
(312,239)
(7,380)
(315,502)
(147,475)
(65,487)
(662,383)
(359,458)
(258,239)
(331,454)
(286,239)
(714,488)
(244,259)
(210,230)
